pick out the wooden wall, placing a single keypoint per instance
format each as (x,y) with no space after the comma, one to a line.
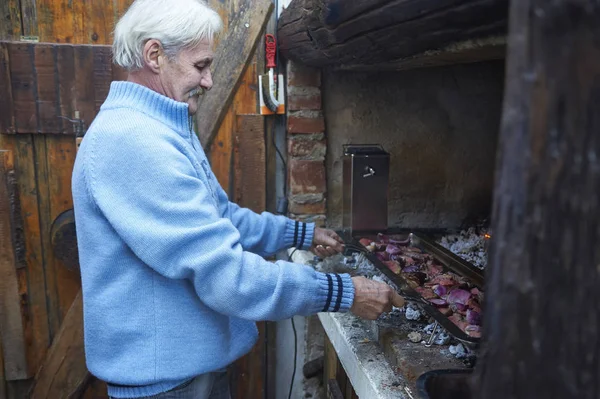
(43,166)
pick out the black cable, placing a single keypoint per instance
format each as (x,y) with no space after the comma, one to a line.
(285,193)
(295,339)
(295,357)
(274,133)
(282,160)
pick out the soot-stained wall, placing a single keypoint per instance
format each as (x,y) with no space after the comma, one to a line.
(440,126)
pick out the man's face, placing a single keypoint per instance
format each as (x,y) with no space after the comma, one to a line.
(185,77)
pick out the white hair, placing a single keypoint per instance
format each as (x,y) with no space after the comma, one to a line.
(176,24)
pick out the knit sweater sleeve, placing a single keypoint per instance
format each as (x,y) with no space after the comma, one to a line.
(266,233)
(166,212)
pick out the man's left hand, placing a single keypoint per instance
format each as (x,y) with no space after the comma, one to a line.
(326,243)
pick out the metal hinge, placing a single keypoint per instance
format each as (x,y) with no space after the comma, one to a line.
(30,39)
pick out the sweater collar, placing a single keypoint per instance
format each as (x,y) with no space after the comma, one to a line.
(132,95)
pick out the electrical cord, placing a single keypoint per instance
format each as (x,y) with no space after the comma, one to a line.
(295,340)
(285,193)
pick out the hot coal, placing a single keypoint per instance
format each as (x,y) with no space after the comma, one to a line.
(469,245)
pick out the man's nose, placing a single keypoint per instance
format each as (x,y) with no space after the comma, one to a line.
(207,82)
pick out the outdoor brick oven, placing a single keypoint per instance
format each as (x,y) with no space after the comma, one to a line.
(440,126)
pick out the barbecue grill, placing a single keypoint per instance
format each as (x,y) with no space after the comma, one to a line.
(365,177)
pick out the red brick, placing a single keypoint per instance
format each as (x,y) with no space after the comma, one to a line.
(307,148)
(297,102)
(308,208)
(306,176)
(300,75)
(319,220)
(305,125)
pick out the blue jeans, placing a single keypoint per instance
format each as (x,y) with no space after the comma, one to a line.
(206,386)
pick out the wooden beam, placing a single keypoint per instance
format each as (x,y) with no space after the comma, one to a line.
(541,327)
(468,51)
(64,373)
(250,137)
(10,23)
(233,54)
(11,321)
(344,33)
(45,81)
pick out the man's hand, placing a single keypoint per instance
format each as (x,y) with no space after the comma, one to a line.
(372,298)
(326,243)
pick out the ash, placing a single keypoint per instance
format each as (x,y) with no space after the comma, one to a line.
(356,264)
(468,245)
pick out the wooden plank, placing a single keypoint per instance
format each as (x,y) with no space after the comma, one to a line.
(65,69)
(11,323)
(10,23)
(546,210)
(32,280)
(23,86)
(7,118)
(102,75)
(221,152)
(331,361)
(251,138)
(56,21)
(48,95)
(341,33)
(3,394)
(64,373)
(60,158)
(84,96)
(249,371)
(232,56)
(48,81)
(95,390)
(29,17)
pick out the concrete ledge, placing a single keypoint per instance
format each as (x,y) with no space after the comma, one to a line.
(355,342)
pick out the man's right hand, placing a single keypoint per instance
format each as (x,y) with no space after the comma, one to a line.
(372,298)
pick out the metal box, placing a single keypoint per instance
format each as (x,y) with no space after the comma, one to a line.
(366,170)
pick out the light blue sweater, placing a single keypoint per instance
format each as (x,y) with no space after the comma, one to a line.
(172,272)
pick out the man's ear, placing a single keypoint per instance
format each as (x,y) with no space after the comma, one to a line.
(153,55)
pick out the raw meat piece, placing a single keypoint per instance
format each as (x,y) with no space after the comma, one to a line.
(393,250)
(411,269)
(473,318)
(382,238)
(426,293)
(412,280)
(365,241)
(382,256)
(434,270)
(400,242)
(416,256)
(474,334)
(459,321)
(414,249)
(440,290)
(438,302)
(446,311)
(474,305)
(477,293)
(407,260)
(393,266)
(417,276)
(473,331)
(444,279)
(459,296)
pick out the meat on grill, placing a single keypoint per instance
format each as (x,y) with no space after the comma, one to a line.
(454,297)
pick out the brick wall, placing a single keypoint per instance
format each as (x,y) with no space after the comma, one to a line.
(306,144)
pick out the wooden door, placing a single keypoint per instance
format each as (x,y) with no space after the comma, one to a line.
(67,73)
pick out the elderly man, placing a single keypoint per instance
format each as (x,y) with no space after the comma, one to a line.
(172,272)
